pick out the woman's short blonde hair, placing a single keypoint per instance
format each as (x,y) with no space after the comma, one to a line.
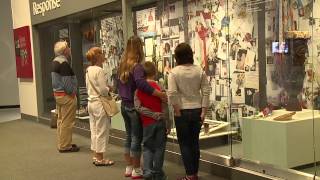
(60,47)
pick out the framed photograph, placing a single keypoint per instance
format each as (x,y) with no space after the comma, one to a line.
(148,45)
(175,10)
(174,32)
(269,59)
(249,93)
(224,70)
(146,22)
(165,33)
(241,57)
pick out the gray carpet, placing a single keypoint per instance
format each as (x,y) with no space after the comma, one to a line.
(28,152)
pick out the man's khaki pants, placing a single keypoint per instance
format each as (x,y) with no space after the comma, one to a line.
(66,110)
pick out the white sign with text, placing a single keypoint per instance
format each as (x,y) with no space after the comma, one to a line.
(45,6)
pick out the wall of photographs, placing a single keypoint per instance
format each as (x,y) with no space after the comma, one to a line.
(112,44)
(292,16)
(224,37)
(225,46)
(162,29)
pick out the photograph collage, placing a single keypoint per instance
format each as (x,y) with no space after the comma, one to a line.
(224,39)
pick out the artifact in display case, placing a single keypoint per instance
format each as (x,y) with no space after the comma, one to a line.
(294,67)
(210,129)
(285,117)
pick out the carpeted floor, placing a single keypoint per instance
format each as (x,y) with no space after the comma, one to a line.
(28,152)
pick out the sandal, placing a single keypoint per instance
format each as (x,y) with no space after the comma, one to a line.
(94,159)
(103,162)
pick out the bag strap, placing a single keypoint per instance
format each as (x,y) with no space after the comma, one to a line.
(201,78)
(94,88)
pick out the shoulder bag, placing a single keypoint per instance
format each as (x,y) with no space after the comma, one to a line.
(108,103)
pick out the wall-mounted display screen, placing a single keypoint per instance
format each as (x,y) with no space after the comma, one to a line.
(279,47)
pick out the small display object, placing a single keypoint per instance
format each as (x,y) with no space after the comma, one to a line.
(210,129)
(285,117)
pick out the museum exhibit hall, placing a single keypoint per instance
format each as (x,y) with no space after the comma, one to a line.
(261,59)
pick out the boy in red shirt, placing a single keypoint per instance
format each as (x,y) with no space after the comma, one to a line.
(156,125)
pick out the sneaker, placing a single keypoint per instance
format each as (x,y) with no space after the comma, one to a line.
(137,173)
(128,171)
(189,178)
(148,177)
(164,177)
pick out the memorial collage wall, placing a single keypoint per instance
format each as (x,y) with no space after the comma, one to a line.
(224,40)
(224,37)
(112,44)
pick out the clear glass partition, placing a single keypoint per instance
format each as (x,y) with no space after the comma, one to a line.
(261,58)
(261,61)
(280,131)
(101,26)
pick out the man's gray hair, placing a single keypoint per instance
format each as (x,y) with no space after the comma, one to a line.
(60,47)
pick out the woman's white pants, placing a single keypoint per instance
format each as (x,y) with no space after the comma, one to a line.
(99,126)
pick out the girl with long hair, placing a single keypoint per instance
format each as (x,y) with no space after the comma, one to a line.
(132,77)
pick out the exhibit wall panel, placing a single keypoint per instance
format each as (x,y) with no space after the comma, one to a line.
(27,87)
(9,82)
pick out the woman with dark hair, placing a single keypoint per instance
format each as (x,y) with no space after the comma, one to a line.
(188,92)
(132,77)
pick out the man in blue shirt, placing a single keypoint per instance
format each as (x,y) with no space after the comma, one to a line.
(64,84)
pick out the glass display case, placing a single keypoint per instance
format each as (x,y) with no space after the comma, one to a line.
(100,26)
(261,58)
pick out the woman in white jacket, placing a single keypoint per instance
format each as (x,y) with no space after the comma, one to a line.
(99,120)
(188,92)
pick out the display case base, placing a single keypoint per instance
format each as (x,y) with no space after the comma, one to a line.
(285,144)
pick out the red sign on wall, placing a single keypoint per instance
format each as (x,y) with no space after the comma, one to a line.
(23,52)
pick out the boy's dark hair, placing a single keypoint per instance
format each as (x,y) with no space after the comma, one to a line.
(183,54)
(149,69)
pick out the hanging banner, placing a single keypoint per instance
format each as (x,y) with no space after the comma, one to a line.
(23,52)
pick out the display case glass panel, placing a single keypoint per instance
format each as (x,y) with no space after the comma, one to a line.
(101,26)
(261,61)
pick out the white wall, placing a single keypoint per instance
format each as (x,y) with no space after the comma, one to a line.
(9,93)
(27,88)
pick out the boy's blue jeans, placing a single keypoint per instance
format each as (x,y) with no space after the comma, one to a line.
(154,144)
